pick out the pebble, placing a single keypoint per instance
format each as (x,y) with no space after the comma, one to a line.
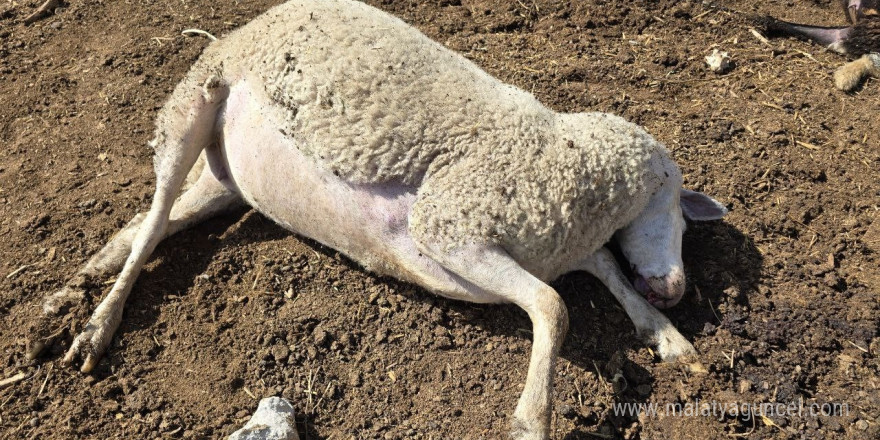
(567,411)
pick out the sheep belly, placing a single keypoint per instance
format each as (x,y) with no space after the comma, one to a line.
(366,222)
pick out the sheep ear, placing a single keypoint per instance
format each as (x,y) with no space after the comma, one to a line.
(700,207)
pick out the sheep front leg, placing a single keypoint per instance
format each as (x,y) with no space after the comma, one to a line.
(650,323)
(494,271)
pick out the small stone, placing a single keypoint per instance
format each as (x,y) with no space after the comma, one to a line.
(744,386)
(644,390)
(719,62)
(567,411)
(373,297)
(625,57)
(273,420)
(862,425)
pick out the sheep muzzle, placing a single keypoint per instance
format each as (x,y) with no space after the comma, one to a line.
(662,292)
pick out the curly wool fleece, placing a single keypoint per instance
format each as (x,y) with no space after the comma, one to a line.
(374,101)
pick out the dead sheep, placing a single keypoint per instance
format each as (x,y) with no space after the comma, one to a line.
(350,127)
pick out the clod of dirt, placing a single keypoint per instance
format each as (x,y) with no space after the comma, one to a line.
(872,235)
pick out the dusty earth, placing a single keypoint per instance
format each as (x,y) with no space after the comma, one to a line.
(783,295)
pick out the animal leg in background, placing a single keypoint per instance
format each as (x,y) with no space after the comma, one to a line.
(851,74)
(833,38)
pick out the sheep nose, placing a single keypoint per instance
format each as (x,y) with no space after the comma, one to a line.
(669,288)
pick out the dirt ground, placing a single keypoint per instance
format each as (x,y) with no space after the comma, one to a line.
(783,294)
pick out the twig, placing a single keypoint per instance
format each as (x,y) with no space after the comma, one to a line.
(249,393)
(702,14)
(806,54)
(771,105)
(44,10)
(16,271)
(760,37)
(807,145)
(159,40)
(257,278)
(856,346)
(186,33)
(11,380)
(599,373)
(711,307)
(309,382)
(43,386)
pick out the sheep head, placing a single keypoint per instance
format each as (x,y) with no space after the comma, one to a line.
(652,241)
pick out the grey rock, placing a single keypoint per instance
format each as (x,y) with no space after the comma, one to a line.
(273,420)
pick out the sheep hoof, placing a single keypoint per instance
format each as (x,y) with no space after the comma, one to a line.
(521,429)
(56,310)
(89,346)
(673,347)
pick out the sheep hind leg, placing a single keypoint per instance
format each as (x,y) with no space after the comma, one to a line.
(186,127)
(650,323)
(494,272)
(206,198)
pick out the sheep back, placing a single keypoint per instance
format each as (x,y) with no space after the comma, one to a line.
(366,95)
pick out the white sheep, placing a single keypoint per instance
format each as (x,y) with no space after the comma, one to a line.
(350,127)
